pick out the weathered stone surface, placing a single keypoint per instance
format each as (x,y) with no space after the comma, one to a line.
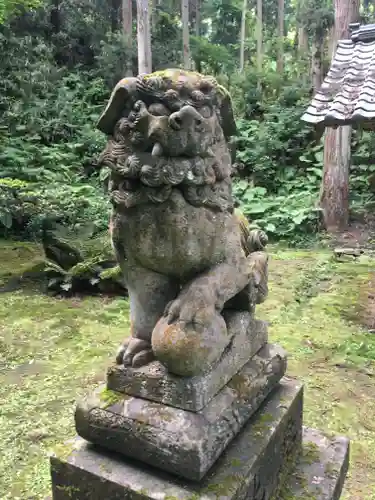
(155,383)
(321,472)
(182,442)
(248,469)
(184,254)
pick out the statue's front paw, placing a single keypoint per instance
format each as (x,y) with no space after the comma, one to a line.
(187,308)
(136,353)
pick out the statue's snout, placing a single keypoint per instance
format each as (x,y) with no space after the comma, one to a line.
(186,117)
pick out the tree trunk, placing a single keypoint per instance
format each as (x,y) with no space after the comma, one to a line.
(115,7)
(197,18)
(334,193)
(55,16)
(331,43)
(280,54)
(303,50)
(127,26)
(243,35)
(317,63)
(259,38)
(154,17)
(144,37)
(185,34)
(303,42)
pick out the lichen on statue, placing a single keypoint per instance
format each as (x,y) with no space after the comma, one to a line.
(184,253)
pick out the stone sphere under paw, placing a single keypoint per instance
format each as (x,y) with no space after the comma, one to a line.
(188,349)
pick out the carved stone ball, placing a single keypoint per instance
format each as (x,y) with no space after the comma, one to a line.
(188,350)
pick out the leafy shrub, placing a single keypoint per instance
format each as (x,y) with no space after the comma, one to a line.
(25,206)
(55,84)
(281,216)
(48,143)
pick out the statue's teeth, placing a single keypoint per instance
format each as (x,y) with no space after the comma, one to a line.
(157,150)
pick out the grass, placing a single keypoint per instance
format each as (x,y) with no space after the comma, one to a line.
(53,350)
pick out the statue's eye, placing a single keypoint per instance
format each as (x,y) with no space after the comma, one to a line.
(206,111)
(159,109)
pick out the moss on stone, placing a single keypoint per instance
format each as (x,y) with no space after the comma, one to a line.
(195,496)
(144,491)
(310,452)
(227,486)
(109,397)
(262,423)
(111,273)
(236,462)
(63,450)
(71,491)
(330,470)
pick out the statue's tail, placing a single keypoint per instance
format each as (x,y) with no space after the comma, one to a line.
(252,240)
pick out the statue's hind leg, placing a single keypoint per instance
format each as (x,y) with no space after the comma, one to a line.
(149,293)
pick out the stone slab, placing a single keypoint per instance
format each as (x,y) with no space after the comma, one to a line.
(153,381)
(178,441)
(321,471)
(264,451)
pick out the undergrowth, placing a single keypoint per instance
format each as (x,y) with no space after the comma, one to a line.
(49,144)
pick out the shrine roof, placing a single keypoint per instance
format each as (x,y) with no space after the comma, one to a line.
(347,95)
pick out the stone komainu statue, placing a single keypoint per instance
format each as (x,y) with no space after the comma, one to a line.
(187,257)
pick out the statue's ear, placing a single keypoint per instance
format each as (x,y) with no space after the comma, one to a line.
(227,118)
(122,97)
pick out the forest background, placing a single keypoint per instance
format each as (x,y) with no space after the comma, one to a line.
(61,59)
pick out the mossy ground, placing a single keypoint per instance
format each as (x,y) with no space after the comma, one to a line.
(52,351)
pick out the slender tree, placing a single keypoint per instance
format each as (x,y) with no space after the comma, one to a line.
(317,60)
(127,26)
(185,34)
(55,16)
(334,194)
(281,21)
(115,17)
(243,35)
(303,41)
(144,37)
(197,17)
(259,37)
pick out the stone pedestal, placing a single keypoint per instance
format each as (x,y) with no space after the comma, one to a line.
(178,441)
(233,433)
(193,393)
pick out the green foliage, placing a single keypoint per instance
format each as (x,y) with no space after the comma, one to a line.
(93,267)
(59,66)
(359,346)
(212,58)
(48,141)
(279,215)
(315,16)
(282,162)
(9,8)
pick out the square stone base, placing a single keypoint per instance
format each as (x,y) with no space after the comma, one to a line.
(250,468)
(181,442)
(322,469)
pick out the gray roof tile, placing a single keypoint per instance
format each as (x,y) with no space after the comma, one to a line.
(347,95)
